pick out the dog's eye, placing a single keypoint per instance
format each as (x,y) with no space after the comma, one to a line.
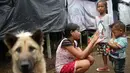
(18,49)
(31,48)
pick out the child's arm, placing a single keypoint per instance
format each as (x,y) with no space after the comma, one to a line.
(113,44)
(118,44)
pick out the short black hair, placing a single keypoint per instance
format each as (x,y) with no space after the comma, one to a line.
(70,28)
(119,25)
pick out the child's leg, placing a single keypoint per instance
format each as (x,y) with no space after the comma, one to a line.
(105,67)
(105,60)
(111,59)
(82,66)
(119,65)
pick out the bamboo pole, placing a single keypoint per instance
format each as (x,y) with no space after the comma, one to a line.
(48,46)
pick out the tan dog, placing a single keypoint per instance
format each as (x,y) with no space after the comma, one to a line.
(27,52)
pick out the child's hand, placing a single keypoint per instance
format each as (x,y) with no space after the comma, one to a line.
(112,44)
(111,41)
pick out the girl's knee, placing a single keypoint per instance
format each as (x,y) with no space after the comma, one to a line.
(86,64)
(91,59)
(82,66)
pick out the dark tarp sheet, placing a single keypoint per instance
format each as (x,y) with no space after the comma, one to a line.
(17,15)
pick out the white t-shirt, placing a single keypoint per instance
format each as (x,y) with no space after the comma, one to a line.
(103,26)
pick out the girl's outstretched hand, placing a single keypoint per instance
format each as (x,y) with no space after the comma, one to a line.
(99,40)
(96,38)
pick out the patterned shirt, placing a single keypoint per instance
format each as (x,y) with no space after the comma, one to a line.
(120,53)
(63,56)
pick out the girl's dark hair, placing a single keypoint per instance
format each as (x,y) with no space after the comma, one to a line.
(70,28)
(105,3)
(119,25)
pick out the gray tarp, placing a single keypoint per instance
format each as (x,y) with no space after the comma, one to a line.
(17,15)
(82,12)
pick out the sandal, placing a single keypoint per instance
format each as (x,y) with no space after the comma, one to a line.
(102,69)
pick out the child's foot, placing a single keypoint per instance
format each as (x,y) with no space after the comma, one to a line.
(103,69)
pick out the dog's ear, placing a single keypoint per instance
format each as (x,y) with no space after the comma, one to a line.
(10,40)
(38,36)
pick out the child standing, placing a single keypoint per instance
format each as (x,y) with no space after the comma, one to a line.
(69,57)
(118,45)
(103,21)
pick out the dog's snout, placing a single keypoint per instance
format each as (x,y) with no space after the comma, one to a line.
(24,64)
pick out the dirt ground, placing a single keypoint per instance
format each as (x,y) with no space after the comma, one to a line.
(99,63)
(5,67)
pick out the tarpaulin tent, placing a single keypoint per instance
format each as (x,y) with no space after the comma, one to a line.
(47,15)
(17,15)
